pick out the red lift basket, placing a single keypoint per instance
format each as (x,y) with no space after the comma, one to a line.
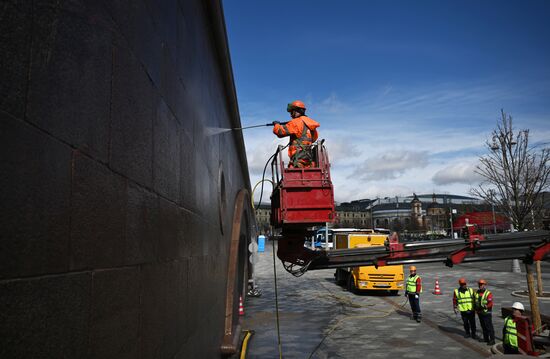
(302,196)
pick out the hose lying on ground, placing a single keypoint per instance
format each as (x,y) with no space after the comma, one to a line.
(244,346)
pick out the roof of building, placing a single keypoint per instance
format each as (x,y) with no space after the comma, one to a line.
(394,206)
(443,195)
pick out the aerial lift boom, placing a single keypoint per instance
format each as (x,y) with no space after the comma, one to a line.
(304,197)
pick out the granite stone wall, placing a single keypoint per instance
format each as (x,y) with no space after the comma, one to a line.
(113,240)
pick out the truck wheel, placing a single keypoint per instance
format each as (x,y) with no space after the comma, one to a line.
(351,284)
(339,277)
(394,292)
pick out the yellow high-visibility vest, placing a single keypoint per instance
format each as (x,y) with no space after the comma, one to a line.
(411,284)
(481,300)
(465,300)
(510,332)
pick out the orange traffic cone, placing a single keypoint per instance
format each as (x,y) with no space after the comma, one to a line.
(437,290)
(241,308)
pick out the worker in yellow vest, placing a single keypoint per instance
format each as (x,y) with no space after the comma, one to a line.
(412,291)
(509,331)
(484,309)
(463,300)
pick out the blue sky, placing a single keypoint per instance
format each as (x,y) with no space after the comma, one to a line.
(406,92)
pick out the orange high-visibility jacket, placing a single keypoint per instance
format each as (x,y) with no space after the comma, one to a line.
(302,131)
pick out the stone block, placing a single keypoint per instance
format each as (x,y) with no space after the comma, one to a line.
(142,225)
(132,118)
(45,317)
(164,307)
(199,345)
(187,62)
(70,78)
(164,15)
(169,78)
(181,306)
(173,225)
(15,45)
(169,27)
(193,236)
(114,327)
(183,48)
(135,23)
(98,215)
(182,107)
(197,285)
(189,156)
(35,194)
(166,156)
(202,176)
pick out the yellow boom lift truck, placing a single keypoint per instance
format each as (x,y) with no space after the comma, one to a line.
(389,278)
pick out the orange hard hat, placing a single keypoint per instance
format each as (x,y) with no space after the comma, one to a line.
(294,105)
(412,268)
(462,281)
(482,281)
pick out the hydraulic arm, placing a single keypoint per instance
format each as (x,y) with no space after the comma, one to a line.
(528,246)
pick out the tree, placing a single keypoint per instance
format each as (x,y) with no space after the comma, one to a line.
(514,173)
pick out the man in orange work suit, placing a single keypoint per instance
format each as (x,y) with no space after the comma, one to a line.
(302,131)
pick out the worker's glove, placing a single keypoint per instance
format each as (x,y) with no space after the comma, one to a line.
(416,296)
(275,123)
(406,293)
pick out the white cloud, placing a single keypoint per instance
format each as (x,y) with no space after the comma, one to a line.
(341,149)
(457,173)
(331,105)
(258,150)
(390,165)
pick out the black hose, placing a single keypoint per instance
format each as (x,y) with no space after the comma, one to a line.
(263,174)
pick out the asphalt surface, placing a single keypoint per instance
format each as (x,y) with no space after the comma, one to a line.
(320,319)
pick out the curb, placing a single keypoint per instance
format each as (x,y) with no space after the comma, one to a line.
(495,349)
(516,293)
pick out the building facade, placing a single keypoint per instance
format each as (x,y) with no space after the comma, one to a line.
(119,210)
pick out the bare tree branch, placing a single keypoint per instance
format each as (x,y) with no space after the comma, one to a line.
(514,173)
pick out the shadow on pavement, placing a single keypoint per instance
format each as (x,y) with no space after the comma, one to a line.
(403,313)
(451,330)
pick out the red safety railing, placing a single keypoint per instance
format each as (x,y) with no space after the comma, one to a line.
(302,196)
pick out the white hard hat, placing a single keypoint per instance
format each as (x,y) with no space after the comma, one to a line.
(518,306)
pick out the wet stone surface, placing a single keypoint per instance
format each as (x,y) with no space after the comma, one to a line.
(320,319)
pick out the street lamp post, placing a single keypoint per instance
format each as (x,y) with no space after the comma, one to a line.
(492,194)
(371,219)
(500,146)
(494,219)
(396,213)
(326,236)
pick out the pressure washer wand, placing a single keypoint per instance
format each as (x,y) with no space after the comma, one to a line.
(267,124)
(244,128)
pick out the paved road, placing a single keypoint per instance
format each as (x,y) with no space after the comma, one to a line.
(319,319)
